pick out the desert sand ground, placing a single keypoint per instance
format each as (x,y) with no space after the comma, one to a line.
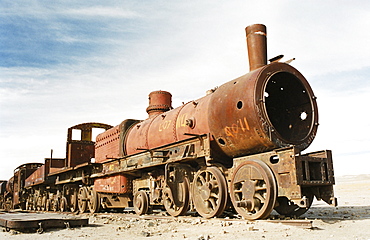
(350,220)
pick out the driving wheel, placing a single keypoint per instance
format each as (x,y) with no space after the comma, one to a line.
(82,199)
(93,200)
(209,192)
(176,197)
(253,190)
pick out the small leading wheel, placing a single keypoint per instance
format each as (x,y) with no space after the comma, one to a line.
(288,208)
(93,200)
(176,202)
(141,202)
(82,199)
(209,192)
(253,190)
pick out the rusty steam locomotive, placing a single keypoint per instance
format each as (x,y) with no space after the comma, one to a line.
(241,143)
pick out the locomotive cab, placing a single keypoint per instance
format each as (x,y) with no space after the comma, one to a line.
(81,147)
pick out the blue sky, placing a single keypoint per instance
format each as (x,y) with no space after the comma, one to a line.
(67,62)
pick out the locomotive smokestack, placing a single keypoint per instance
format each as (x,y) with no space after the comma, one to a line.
(257,46)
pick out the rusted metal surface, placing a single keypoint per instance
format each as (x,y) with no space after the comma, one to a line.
(176,189)
(112,184)
(294,196)
(37,177)
(253,189)
(54,164)
(169,127)
(39,221)
(186,150)
(159,102)
(79,153)
(315,168)
(40,176)
(263,114)
(82,150)
(109,144)
(209,192)
(257,46)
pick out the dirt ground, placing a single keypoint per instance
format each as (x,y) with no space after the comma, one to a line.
(350,220)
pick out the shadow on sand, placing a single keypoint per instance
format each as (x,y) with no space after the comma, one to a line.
(339,213)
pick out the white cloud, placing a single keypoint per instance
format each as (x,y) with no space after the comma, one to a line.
(101,11)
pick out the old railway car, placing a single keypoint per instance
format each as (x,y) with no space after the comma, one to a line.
(241,143)
(14,194)
(55,185)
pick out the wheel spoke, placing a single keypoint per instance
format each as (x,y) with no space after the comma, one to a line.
(259,196)
(207,177)
(262,188)
(214,183)
(214,195)
(213,203)
(202,180)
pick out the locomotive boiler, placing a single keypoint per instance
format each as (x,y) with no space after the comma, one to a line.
(240,143)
